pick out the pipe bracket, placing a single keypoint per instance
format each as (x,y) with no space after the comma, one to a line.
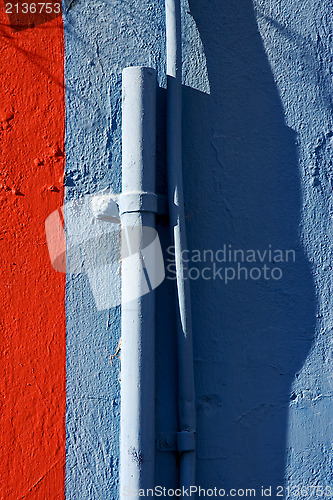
(180,441)
(166,442)
(185,441)
(137,201)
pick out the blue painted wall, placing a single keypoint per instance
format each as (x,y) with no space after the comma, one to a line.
(258,172)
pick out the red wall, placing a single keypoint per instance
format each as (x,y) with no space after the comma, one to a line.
(32,294)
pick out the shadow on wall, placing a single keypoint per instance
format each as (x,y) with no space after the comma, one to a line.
(242,188)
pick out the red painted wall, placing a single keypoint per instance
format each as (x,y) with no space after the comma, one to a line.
(32,294)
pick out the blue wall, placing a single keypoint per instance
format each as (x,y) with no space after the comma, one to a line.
(258,175)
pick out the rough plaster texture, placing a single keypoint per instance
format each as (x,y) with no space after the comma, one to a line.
(257,170)
(32,294)
(298,44)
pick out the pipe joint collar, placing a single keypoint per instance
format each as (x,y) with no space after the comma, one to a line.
(185,441)
(137,201)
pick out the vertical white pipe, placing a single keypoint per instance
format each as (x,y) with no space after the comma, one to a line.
(137,431)
(186,393)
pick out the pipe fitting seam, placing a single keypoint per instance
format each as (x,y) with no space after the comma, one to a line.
(139,201)
(185,441)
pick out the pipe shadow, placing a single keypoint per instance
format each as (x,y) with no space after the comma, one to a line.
(242,186)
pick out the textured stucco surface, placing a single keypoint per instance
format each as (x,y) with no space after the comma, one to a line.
(32,294)
(100,39)
(257,171)
(298,44)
